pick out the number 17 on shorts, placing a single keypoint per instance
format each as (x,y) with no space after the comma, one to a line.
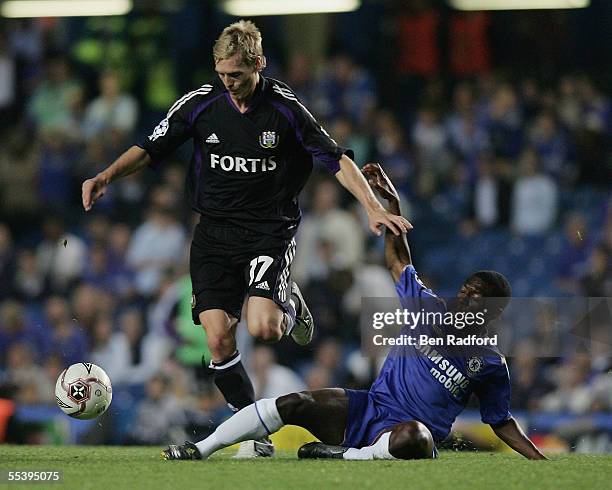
(269,276)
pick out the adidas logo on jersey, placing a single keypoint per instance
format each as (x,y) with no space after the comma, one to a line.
(263,285)
(212,139)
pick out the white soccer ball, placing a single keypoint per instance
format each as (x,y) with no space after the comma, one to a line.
(83,391)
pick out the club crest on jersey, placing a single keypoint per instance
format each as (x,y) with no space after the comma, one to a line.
(268,139)
(474,364)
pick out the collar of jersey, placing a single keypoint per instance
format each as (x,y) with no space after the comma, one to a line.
(257,95)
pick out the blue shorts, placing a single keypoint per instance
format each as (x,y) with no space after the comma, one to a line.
(367,420)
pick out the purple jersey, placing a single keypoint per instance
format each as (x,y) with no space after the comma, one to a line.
(426,384)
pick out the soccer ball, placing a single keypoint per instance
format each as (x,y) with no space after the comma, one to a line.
(83,391)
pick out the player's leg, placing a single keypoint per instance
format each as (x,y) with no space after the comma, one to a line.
(229,374)
(408,440)
(411,440)
(265,320)
(322,412)
(218,294)
(276,305)
(269,321)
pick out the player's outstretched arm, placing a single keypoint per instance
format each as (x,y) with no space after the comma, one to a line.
(397,251)
(350,177)
(512,434)
(129,162)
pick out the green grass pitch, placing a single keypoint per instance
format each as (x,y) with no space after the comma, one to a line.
(115,468)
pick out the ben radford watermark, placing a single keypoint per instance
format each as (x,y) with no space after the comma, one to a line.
(552,326)
(425,339)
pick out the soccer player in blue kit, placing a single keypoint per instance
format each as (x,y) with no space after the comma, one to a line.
(419,392)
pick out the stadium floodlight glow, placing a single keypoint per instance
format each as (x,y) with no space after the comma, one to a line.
(518,4)
(64,8)
(240,8)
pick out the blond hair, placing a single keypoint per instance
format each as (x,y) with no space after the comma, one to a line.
(243,38)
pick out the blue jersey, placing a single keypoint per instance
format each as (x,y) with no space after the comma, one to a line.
(432,386)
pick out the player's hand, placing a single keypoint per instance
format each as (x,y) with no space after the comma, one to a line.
(378,180)
(382,184)
(93,189)
(397,224)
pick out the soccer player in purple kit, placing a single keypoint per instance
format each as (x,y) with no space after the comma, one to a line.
(409,407)
(254,146)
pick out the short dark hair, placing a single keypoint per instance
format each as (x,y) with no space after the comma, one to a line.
(496,284)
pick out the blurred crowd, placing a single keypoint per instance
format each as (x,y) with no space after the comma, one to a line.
(507,173)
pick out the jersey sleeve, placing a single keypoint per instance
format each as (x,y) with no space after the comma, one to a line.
(494,395)
(409,285)
(176,128)
(168,135)
(414,295)
(308,131)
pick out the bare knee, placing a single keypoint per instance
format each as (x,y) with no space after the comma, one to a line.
(266,328)
(265,319)
(411,440)
(293,406)
(221,346)
(219,335)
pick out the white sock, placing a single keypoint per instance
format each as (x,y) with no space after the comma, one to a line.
(258,420)
(378,450)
